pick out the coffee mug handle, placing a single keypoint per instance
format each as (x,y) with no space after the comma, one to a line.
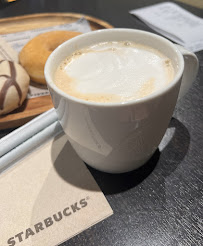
(190,70)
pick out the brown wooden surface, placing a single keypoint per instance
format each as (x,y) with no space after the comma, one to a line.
(30,109)
(194,3)
(28,22)
(33,107)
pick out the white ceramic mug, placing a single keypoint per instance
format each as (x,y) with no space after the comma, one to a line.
(119,137)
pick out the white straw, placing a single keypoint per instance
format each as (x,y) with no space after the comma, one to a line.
(29,145)
(25,132)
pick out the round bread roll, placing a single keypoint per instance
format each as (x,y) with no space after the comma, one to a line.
(14,83)
(34,54)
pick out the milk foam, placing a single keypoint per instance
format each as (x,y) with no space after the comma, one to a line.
(114,71)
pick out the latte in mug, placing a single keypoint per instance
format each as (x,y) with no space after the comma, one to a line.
(117,71)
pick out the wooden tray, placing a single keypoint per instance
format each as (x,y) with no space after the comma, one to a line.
(35,106)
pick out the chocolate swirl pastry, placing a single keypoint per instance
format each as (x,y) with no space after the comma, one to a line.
(14,83)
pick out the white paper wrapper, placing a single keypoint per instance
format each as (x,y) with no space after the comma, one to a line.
(28,137)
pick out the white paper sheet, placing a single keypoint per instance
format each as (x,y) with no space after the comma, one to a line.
(7,52)
(175,23)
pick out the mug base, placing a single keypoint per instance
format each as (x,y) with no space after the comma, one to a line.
(118,167)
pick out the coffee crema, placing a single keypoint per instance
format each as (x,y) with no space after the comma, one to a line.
(114,72)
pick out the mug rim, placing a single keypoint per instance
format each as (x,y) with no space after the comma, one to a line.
(149,97)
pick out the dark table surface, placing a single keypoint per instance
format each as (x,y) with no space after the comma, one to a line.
(161,203)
